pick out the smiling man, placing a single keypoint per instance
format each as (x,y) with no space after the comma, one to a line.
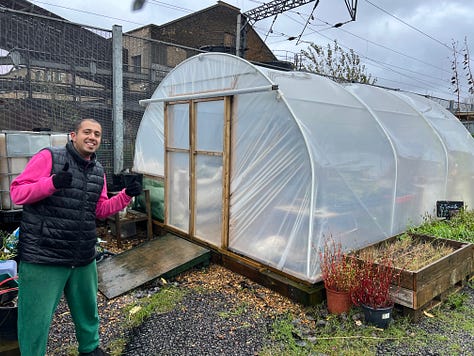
(63,190)
(86,138)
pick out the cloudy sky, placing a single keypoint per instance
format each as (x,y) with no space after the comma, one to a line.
(405,44)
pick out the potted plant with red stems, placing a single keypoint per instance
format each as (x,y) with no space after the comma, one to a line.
(372,290)
(339,273)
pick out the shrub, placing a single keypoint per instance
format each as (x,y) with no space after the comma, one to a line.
(374,281)
(338,270)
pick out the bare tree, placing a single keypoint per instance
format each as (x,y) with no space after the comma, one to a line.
(336,62)
(455,77)
(467,67)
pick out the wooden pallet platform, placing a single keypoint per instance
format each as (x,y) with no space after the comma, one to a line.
(164,256)
(415,314)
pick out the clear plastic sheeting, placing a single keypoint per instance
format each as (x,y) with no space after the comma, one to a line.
(312,160)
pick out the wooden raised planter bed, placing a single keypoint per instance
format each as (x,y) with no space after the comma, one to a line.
(418,288)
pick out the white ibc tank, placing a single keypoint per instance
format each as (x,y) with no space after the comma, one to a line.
(16,149)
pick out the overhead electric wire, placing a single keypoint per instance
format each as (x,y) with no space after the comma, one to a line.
(375,61)
(171,6)
(87,12)
(379,64)
(307,21)
(407,24)
(450,48)
(391,50)
(270,30)
(384,66)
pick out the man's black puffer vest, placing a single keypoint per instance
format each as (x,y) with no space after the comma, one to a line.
(61,229)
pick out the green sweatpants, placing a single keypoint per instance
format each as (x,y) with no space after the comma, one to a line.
(40,290)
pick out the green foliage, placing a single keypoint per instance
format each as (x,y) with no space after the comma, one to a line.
(238,310)
(161,302)
(283,335)
(460,227)
(456,301)
(117,346)
(336,62)
(340,335)
(5,253)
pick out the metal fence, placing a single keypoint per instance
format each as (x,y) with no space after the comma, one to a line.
(54,72)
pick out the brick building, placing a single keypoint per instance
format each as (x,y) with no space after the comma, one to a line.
(211,29)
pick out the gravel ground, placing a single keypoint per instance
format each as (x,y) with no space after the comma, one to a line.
(223,313)
(226,314)
(201,332)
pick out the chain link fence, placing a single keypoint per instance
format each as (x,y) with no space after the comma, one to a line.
(54,72)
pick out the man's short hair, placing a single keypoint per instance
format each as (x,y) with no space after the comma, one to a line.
(79,123)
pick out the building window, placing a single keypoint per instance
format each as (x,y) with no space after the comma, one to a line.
(137,64)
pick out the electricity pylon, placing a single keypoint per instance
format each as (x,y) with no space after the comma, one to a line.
(271,8)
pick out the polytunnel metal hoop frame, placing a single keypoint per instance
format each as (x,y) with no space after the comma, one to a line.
(213,94)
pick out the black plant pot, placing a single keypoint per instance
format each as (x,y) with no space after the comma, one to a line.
(379,317)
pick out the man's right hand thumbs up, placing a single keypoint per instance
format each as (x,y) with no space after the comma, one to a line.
(63,179)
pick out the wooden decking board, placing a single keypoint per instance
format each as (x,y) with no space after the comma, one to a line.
(163,256)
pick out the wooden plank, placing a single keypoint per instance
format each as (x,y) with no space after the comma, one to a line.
(228,103)
(167,255)
(304,294)
(9,348)
(403,296)
(441,283)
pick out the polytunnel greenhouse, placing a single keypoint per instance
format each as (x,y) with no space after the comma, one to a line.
(267,164)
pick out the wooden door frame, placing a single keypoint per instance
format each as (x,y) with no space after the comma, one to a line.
(226,165)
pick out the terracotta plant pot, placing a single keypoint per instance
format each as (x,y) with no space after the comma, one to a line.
(379,317)
(338,302)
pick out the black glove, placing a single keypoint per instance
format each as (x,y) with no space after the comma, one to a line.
(133,189)
(63,179)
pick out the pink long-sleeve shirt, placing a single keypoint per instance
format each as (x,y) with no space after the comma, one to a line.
(36,183)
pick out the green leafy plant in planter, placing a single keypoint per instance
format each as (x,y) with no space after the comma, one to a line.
(339,273)
(459,227)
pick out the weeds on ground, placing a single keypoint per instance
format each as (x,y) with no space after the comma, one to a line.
(238,310)
(331,335)
(163,301)
(456,312)
(349,335)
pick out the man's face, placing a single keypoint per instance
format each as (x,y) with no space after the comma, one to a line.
(87,139)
